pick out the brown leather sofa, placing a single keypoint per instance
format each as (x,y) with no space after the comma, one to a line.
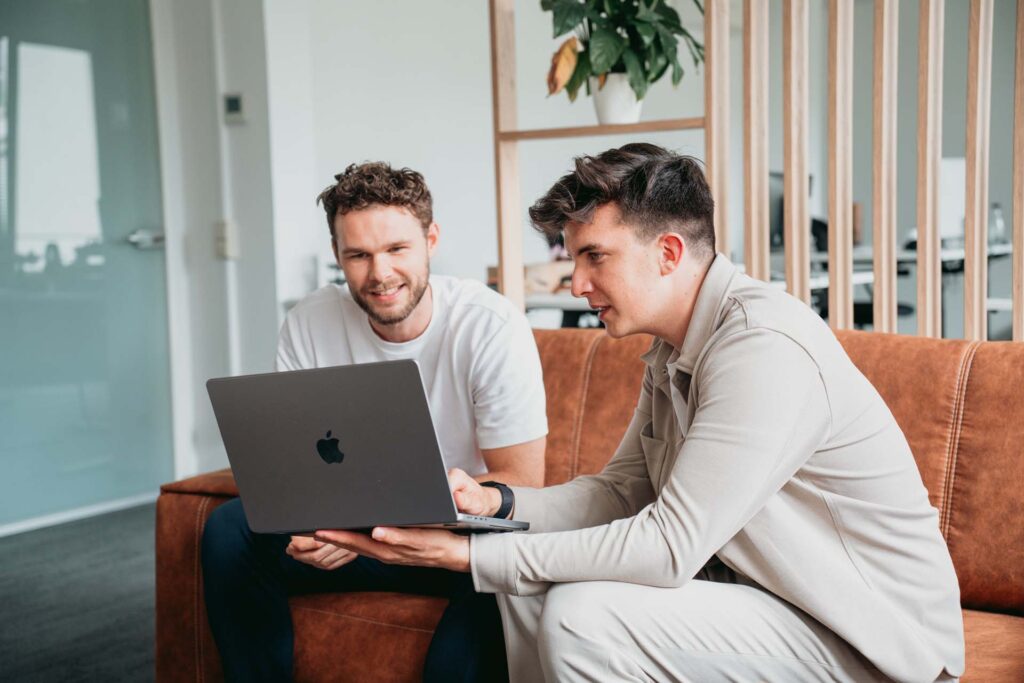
(961,405)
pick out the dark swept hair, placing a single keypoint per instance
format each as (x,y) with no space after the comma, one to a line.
(376,183)
(655,190)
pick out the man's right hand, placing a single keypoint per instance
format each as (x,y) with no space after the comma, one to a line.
(470,497)
(320,555)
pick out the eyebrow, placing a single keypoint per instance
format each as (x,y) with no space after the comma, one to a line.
(356,250)
(587,248)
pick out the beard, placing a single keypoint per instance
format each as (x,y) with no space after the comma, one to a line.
(417,288)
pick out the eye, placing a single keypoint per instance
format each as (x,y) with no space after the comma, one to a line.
(595,256)
(356,256)
(395,250)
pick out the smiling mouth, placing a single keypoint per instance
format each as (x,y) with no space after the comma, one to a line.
(386,294)
(600,310)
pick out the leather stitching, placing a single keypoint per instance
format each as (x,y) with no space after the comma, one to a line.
(364,620)
(578,431)
(953,444)
(200,517)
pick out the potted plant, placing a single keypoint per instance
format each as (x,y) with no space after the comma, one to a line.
(617,50)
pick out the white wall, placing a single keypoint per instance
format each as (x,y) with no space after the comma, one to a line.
(382,87)
(222,315)
(330,83)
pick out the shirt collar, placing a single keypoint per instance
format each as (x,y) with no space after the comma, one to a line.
(703,322)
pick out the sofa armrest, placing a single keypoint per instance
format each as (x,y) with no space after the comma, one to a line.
(185,650)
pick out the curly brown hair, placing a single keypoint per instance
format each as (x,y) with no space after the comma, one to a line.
(376,183)
(655,190)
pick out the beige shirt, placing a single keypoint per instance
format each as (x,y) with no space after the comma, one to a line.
(760,445)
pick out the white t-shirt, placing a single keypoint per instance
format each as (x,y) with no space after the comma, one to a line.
(477,357)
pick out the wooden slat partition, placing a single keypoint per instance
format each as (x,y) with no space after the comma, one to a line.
(929,158)
(979,87)
(695,122)
(506,153)
(795,108)
(840,164)
(1018,182)
(755,139)
(716,114)
(884,161)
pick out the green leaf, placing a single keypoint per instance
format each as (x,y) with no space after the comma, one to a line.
(635,73)
(579,76)
(646,13)
(568,14)
(546,5)
(669,16)
(695,48)
(605,49)
(657,63)
(647,32)
(677,72)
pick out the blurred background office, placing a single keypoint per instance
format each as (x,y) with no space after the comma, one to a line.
(159,161)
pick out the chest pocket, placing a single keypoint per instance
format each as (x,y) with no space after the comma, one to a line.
(654,455)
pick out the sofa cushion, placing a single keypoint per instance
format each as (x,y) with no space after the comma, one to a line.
(962,409)
(390,632)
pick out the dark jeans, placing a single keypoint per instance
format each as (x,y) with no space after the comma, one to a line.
(248,578)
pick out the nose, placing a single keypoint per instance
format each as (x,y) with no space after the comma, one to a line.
(380,268)
(580,282)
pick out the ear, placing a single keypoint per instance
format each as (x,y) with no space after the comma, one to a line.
(671,249)
(433,234)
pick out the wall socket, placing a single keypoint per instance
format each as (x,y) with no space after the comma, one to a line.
(227,246)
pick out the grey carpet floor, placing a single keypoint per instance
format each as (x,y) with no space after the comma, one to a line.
(77,600)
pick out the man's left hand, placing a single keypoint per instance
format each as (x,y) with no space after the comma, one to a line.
(417,547)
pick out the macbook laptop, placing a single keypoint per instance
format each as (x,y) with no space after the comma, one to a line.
(347,447)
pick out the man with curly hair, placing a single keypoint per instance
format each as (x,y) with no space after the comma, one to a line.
(482,375)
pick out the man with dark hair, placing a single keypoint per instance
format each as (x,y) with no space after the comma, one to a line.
(762,518)
(481,371)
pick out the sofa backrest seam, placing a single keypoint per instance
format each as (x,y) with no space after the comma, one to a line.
(953,443)
(578,431)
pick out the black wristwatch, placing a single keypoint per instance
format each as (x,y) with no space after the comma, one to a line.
(508,499)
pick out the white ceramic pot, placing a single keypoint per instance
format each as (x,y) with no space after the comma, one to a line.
(615,102)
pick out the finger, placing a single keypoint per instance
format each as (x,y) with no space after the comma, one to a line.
(457,478)
(326,551)
(405,538)
(338,558)
(304,543)
(358,543)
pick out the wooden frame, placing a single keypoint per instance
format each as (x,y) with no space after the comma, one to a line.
(840,164)
(979,87)
(506,155)
(1018,182)
(755,139)
(716,114)
(795,107)
(843,213)
(929,158)
(884,161)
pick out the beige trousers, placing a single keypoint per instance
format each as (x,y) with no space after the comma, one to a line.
(704,631)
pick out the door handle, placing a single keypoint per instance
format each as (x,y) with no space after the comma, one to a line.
(144,239)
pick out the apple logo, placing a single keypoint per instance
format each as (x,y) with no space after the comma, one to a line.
(328,449)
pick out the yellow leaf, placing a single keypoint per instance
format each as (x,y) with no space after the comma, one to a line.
(600,80)
(563,63)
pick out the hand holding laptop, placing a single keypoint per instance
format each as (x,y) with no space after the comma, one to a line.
(470,497)
(422,547)
(318,554)
(407,546)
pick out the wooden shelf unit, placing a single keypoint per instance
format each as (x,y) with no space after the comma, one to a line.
(662,125)
(507,136)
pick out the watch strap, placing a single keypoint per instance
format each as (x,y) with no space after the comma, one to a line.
(508,498)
